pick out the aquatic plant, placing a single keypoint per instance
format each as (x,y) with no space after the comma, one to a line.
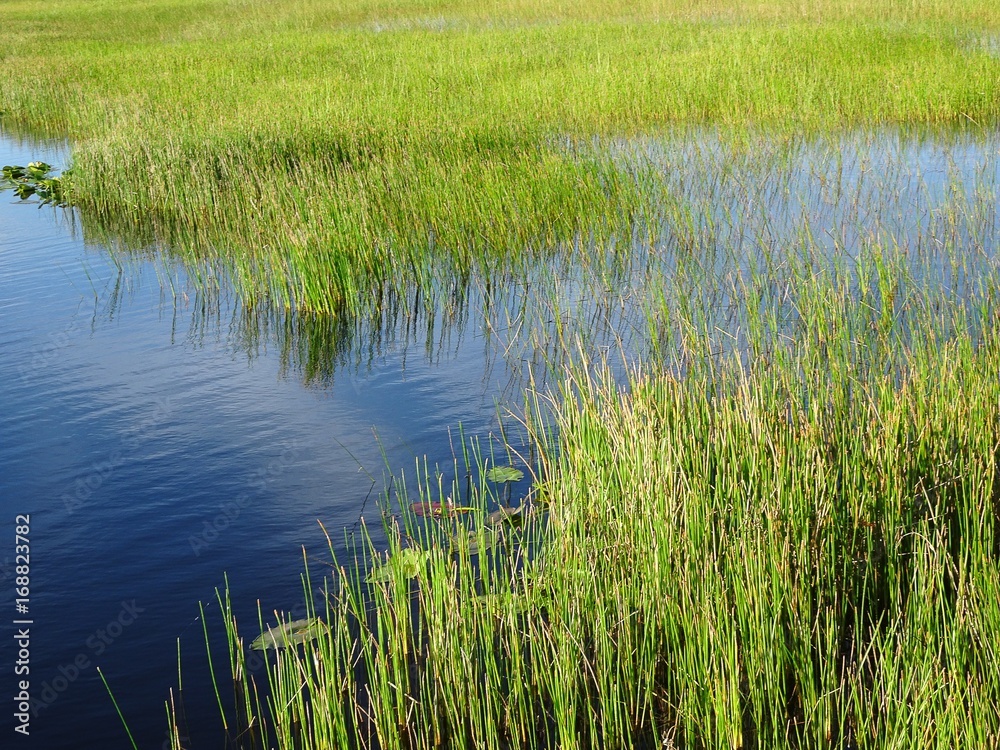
(777,527)
(504,474)
(36,179)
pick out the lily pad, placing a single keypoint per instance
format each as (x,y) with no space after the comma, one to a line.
(407,562)
(38,169)
(503,474)
(507,515)
(290,634)
(437,509)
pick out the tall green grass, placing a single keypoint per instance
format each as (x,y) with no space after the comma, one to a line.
(774,556)
(778,529)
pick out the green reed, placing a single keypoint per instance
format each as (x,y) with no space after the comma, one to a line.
(774,525)
(769,464)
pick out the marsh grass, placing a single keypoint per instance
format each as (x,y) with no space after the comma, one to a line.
(331,151)
(769,464)
(777,527)
(747,558)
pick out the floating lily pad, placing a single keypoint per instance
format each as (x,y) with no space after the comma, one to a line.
(290,634)
(33,180)
(407,562)
(437,509)
(507,515)
(502,474)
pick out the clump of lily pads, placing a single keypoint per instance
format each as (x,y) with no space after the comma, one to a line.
(38,180)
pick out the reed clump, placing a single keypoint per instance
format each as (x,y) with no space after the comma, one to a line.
(780,530)
(796,551)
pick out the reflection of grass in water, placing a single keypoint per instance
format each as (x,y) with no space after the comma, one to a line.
(730,218)
(783,533)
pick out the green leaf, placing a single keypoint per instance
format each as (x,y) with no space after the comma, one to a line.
(502,474)
(507,515)
(407,562)
(38,169)
(290,634)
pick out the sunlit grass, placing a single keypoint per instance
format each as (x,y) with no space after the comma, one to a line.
(769,472)
(326,149)
(764,556)
(777,529)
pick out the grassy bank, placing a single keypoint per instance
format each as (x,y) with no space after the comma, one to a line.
(328,150)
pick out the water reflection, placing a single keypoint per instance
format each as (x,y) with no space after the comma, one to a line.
(730,217)
(737,222)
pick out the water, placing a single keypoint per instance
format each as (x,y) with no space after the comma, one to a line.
(159,442)
(749,213)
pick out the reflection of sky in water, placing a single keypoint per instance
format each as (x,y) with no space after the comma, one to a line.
(756,213)
(840,194)
(135,421)
(138,409)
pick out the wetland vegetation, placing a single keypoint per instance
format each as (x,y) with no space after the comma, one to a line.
(749,251)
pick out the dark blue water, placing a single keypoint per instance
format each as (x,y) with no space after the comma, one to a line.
(158,442)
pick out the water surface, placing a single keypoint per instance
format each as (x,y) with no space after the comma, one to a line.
(160,438)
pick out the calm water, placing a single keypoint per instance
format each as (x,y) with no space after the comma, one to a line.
(157,444)
(161,439)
